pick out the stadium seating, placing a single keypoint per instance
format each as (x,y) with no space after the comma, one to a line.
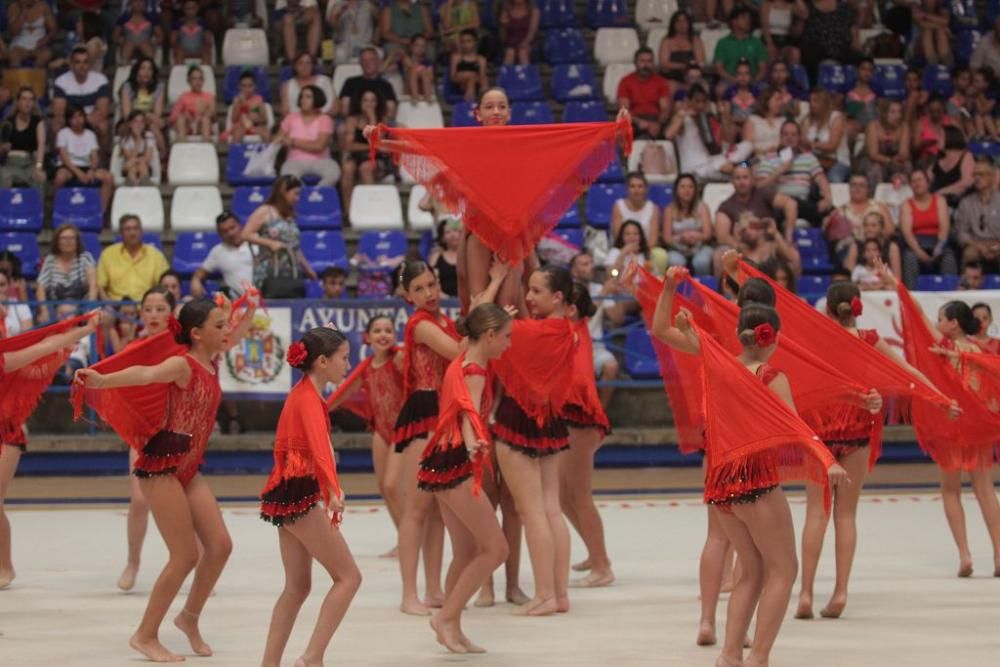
(522,82)
(531,113)
(661,194)
(236,162)
(585,112)
(565,45)
(342,73)
(144,201)
(20,210)
(572,236)
(557,14)
(668,148)
(653,39)
(709,40)
(640,357)
(837,78)
(600,198)
(650,14)
(463,114)
(841,193)
(92,244)
(245,46)
(177,84)
(613,74)
(382,244)
(889,81)
(231,82)
(193,163)
(376,207)
(965,44)
(608,13)
(195,208)
(574,82)
(324,249)
(118,165)
(246,199)
(420,115)
(78,206)
(318,208)
(25,246)
(191,249)
(938,79)
(416,218)
(571,218)
(615,45)
(714,194)
(931,283)
(812,286)
(613,173)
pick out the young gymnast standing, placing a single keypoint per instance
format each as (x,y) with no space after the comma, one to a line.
(167,411)
(588,425)
(300,493)
(374,390)
(453,464)
(28,362)
(431,342)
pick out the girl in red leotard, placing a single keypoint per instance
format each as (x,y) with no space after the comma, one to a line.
(982,338)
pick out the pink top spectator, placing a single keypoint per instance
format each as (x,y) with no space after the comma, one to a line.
(189,103)
(297,128)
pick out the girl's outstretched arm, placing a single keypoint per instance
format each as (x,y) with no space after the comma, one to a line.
(682,336)
(175,369)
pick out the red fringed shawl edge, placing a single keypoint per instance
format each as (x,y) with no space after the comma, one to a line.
(537,369)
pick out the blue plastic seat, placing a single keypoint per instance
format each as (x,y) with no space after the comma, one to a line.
(709,281)
(661,194)
(592,111)
(574,237)
(191,249)
(816,264)
(531,113)
(92,243)
(933,283)
(231,82)
(991,281)
(557,14)
(570,219)
(236,162)
(522,82)
(388,244)
(25,246)
(318,208)
(801,79)
(452,95)
(314,289)
(613,173)
(600,198)
(640,357)
(813,285)
(889,81)
(489,14)
(565,45)
(463,114)
(426,243)
(80,207)
(837,78)
(938,79)
(247,199)
(569,76)
(965,44)
(324,249)
(608,14)
(20,210)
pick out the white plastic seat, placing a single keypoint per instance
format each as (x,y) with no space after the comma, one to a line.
(841,193)
(417,218)
(615,45)
(709,39)
(144,201)
(193,163)
(245,46)
(714,194)
(195,208)
(653,40)
(613,74)
(419,115)
(155,172)
(121,76)
(635,158)
(251,139)
(650,14)
(177,85)
(342,73)
(376,207)
(803,112)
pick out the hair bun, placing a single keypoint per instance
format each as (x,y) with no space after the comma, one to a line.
(462,326)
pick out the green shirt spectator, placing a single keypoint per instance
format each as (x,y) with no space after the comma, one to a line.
(737,45)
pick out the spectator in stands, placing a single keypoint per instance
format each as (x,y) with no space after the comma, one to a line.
(78,157)
(443,257)
(194,111)
(68,271)
(231,258)
(307,133)
(137,32)
(630,246)
(983,339)
(402,20)
(605,364)
(687,228)
(763,128)
(646,95)
(468,68)
(830,33)
(780,23)
(952,171)
(928,132)
(861,102)
(845,226)
(637,206)
(32,27)
(933,40)
(759,241)
(191,40)
(457,16)
(977,220)
(15,316)
(700,139)
(358,165)
(305,74)
(875,229)
(130,267)
(22,145)
(144,92)
(916,97)
(987,53)
(79,356)
(518,26)
(171,281)
(272,228)
(84,88)
(825,131)
(887,145)
(11,263)
(983,105)
(369,79)
(779,270)
(760,203)
(797,173)
(417,69)
(89,33)
(241,12)
(289,15)
(353,23)
(333,280)
(925,226)
(248,113)
(680,47)
(124,325)
(972,276)
(959,105)
(785,89)
(739,44)
(138,151)
(739,102)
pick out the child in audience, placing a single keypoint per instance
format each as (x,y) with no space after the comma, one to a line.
(191,40)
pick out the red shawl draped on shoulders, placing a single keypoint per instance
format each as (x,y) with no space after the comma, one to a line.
(509,184)
(583,393)
(537,368)
(981,373)
(359,402)
(410,341)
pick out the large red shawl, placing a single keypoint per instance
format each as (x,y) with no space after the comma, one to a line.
(510,184)
(21,390)
(537,368)
(583,393)
(981,373)
(965,443)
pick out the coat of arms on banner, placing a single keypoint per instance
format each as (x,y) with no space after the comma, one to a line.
(259,357)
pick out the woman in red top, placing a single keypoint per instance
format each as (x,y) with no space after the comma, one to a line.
(431,342)
(588,425)
(300,493)
(186,387)
(452,468)
(925,226)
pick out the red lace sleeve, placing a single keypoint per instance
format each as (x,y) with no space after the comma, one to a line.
(767,374)
(869,336)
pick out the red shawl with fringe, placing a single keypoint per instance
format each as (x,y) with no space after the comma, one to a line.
(378,405)
(981,374)
(510,184)
(21,390)
(410,344)
(302,446)
(583,393)
(455,403)
(965,443)
(537,369)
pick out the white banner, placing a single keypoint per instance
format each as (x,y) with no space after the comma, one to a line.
(257,364)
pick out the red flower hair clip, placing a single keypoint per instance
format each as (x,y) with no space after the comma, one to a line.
(297,354)
(174,325)
(764,335)
(857,307)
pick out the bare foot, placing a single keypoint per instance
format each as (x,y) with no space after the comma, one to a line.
(126,582)
(562,604)
(302,662)
(448,635)
(391,553)
(485,597)
(434,601)
(582,566)
(187,623)
(154,650)
(537,608)
(414,608)
(517,596)
(726,661)
(706,634)
(469,646)
(596,579)
(835,607)
(754,662)
(805,608)
(6,577)
(965,567)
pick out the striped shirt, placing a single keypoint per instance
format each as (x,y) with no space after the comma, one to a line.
(83,95)
(66,285)
(797,181)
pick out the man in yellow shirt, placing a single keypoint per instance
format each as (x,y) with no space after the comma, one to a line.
(129,268)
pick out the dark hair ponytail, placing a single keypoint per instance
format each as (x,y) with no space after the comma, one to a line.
(580,297)
(756,290)
(318,342)
(558,279)
(482,319)
(961,313)
(411,270)
(838,301)
(193,315)
(752,316)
